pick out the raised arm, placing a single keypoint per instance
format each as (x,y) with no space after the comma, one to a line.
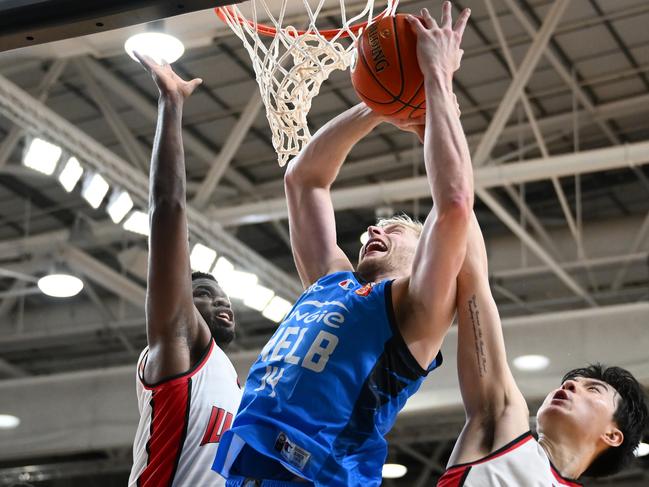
(425,303)
(496,411)
(307,183)
(175,330)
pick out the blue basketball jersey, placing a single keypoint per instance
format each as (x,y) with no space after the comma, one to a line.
(327,386)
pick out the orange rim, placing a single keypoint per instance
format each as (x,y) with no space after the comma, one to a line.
(269,31)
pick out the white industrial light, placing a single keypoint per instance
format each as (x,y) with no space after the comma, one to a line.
(258,297)
(364,238)
(8,421)
(42,156)
(94,190)
(119,206)
(642,450)
(531,362)
(158,46)
(71,174)
(60,285)
(238,284)
(394,471)
(222,268)
(137,222)
(276,309)
(202,258)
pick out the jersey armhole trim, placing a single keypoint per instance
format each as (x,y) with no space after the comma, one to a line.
(515,443)
(396,332)
(184,375)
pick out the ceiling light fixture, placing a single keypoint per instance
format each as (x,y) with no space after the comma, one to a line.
(71,174)
(222,268)
(394,471)
(119,205)
(94,190)
(42,156)
(8,421)
(258,297)
(276,309)
(202,258)
(137,222)
(238,284)
(531,362)
(158,46)
(60,285)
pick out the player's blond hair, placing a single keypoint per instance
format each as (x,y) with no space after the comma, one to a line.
(403,220)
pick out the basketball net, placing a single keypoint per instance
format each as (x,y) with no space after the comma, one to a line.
(290,64)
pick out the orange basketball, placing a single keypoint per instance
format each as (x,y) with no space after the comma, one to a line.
(386,74)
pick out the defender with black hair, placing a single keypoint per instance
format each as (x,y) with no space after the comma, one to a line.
(589,425)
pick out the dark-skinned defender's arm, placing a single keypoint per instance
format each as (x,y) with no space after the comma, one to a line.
(176,333)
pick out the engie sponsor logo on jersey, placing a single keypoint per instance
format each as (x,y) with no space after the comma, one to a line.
(312,311)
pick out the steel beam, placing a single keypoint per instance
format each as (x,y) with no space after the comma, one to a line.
(378,164)
(145,108)
(529,241)
(27,112)
(103,275)
(41,93)
(10,370)
(9,302)
(100,233)
(562,71)
(639,238)
(513,93)
(229,149)
(219,166)
(129,143)
(532,120)
(370,195)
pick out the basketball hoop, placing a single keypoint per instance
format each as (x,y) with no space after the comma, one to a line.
(291,64)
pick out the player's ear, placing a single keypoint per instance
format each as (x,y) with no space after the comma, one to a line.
(613,437)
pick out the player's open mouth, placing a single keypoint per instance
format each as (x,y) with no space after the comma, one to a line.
(225,314)
(375,245)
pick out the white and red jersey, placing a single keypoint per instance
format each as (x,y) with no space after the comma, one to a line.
(521,463)
(181,422)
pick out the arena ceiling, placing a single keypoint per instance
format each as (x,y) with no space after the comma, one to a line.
(563,199)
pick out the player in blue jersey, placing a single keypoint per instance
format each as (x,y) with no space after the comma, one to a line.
(328,385)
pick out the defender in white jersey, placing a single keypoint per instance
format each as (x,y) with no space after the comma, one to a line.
(523,462)
(589,426)
(187,389)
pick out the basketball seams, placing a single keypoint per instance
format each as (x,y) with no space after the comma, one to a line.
(398,53)
(366,79)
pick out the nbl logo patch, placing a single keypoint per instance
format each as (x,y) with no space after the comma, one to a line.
(293,454)
(347,284)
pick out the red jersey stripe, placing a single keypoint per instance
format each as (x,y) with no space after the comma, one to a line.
(169,421)
(454,478)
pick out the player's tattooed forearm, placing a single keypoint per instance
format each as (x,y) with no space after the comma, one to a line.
(478,340)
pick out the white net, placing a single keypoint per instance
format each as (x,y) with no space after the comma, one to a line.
(290,64)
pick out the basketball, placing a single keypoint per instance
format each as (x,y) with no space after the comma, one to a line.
(386,74)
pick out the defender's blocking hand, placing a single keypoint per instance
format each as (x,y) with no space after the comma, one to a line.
(168,82)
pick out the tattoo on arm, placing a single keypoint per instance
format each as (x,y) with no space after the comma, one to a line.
(478,341)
